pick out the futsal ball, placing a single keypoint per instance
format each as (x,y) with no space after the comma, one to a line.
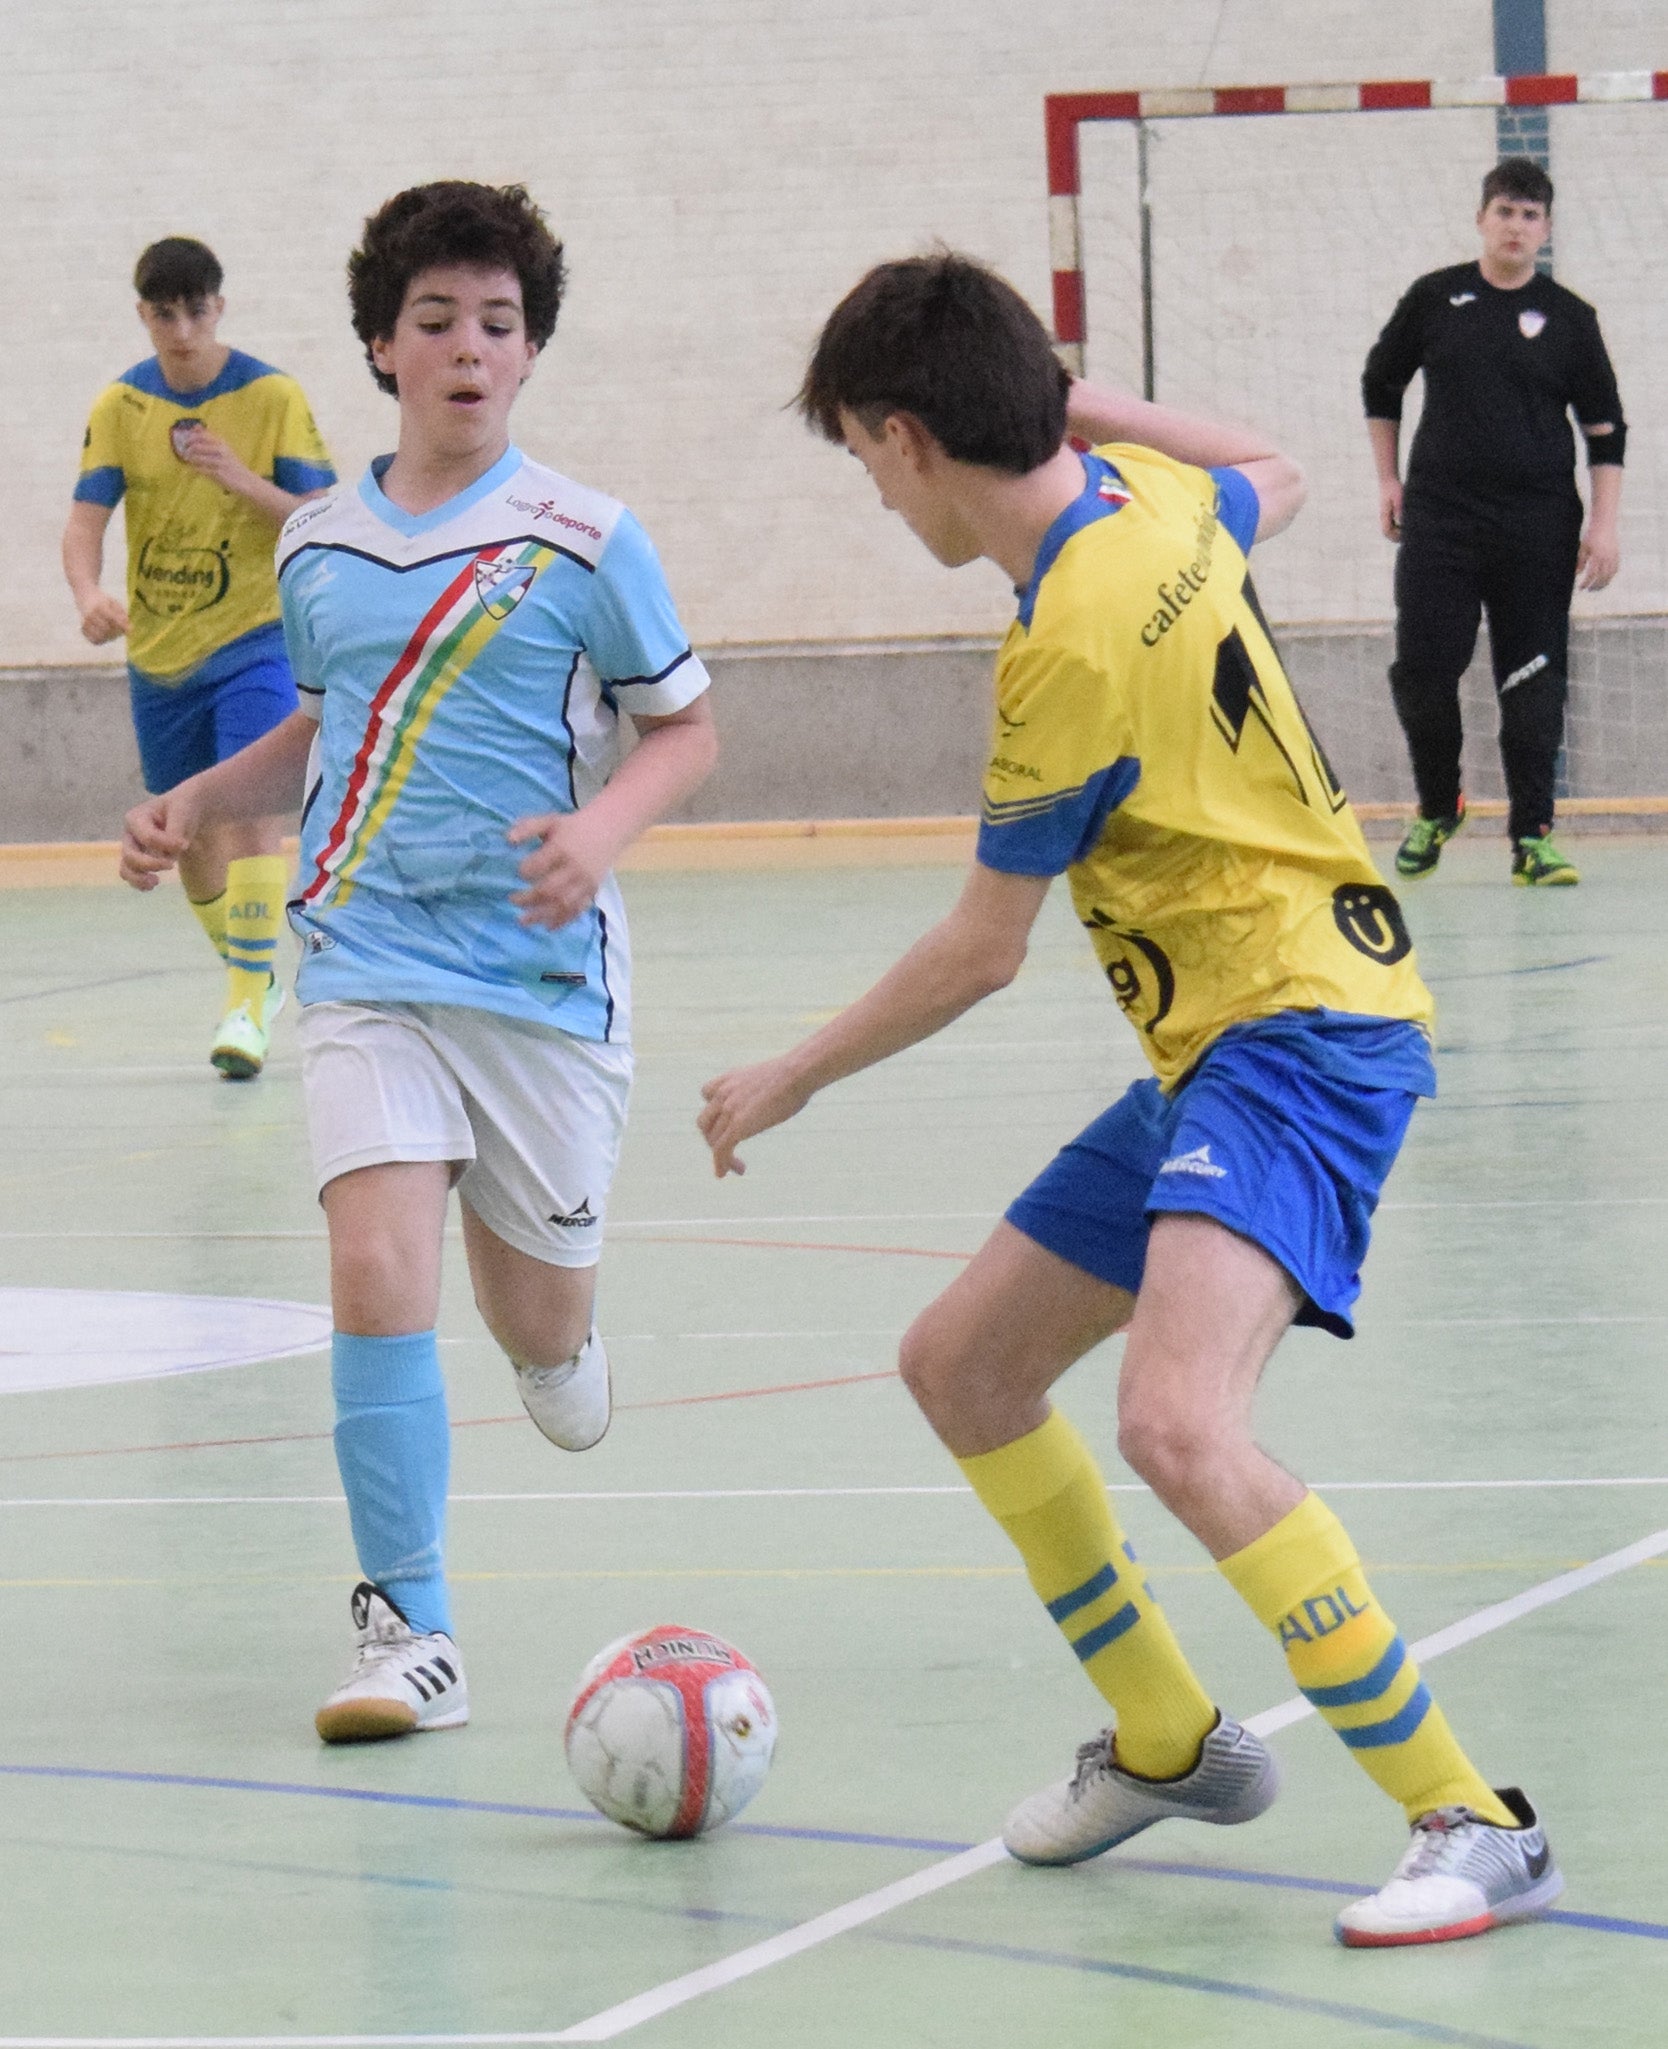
(671,1732)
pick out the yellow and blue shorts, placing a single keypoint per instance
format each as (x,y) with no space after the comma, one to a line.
(1284,1132)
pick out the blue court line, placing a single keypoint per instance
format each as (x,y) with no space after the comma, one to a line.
(1545,967)
(1222,1988)
(1602,1924)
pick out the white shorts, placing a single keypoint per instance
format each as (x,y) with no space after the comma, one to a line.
(529,1115)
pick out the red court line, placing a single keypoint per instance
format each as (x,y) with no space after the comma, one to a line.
(674,1401)
(803,1245)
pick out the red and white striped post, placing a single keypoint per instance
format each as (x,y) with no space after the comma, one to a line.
(1065,113)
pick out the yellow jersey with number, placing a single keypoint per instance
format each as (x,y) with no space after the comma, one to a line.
(1149,746)
(199,558)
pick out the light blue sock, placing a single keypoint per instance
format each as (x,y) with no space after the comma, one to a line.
(394,1453)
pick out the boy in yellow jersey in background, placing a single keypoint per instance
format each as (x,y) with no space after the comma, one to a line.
(1149,747)
(211,451)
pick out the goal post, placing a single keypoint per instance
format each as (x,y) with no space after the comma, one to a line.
(1235,250)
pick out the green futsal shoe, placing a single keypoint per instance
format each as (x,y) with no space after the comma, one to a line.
(1537,864)
(240,1043)
(1420,851)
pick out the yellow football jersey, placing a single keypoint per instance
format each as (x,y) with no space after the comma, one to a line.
(1149,746)
(199,559)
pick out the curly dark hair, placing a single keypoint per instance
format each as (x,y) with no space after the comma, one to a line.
(453,221)
(945,339)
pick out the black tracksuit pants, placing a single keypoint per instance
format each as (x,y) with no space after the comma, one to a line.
(1513,558)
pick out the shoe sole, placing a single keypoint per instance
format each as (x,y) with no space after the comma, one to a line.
(378,1721)
(1558,881)
(1524,1908)
(234,1066)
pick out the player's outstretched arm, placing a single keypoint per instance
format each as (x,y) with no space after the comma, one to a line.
(574,850)
(1097,413)
(263,781)
(976,950)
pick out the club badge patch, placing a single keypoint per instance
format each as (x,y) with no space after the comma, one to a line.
(1530,323)
(501,586)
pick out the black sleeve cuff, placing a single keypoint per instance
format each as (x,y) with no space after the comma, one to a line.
(1607,449)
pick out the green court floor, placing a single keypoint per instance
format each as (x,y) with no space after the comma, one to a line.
(180,1861)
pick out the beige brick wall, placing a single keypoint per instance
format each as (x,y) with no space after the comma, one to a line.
(722,170)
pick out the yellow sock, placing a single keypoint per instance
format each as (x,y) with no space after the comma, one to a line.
(1304,1581)
(255,888)
(211,915)
(1047,1493)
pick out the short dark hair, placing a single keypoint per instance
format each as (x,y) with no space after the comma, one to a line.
(948,341)
(496,227)
(1519,178)
(177,268)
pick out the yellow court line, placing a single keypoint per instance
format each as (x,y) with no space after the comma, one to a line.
(744,1572)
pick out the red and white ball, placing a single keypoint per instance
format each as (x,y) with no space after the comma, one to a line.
(671,1732)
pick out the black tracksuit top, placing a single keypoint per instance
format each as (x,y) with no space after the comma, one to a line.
(1502,369)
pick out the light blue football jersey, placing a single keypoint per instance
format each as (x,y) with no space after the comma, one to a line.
(468,666)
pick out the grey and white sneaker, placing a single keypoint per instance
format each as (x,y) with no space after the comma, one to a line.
(571,1403)
(1459,1875)
(1102,1805)
(400,1683)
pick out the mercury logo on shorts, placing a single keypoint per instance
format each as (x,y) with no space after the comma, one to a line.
(576,1219)
(1197,1162)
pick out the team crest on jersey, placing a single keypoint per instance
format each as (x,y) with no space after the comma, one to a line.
(501,586)
(1112,491)
(1530,322)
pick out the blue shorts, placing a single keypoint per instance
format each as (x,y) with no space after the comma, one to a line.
(1284,1132)
(183,728)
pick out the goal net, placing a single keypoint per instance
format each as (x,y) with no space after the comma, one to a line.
(1237,252)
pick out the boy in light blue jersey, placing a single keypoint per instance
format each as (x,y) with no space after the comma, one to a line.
(466,628)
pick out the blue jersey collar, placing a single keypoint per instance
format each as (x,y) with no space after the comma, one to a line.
(371,494)
(237,371)
(1103,494)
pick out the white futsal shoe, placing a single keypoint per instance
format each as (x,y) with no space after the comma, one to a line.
(1101,1805)
(1459,1876)
(571,1403)
(401,1682)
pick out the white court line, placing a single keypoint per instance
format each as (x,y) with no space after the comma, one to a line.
(776,1949)
(968,1216)
(760,1956)
(779,1494)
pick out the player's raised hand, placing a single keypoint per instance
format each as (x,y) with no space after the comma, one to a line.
(743,1103)
(155,834)
(103,618)
(565,869)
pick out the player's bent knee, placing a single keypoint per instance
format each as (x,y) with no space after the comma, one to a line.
(930,1366)
(1166,1448)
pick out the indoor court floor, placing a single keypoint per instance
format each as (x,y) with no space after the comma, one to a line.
(182,1862)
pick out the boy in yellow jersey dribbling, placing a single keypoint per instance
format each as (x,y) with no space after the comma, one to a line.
(211,451)
(1148,746)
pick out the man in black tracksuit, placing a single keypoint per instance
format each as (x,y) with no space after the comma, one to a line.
(1490,519)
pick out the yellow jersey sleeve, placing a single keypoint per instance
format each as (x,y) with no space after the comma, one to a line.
(1061,763)
(301,462)
(103,477)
